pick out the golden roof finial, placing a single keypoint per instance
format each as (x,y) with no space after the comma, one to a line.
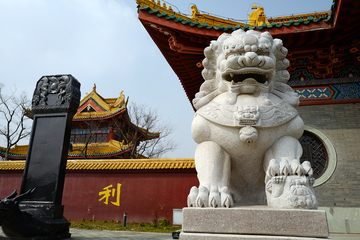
(194,12)
(94,88)
(257,17)
(119,103)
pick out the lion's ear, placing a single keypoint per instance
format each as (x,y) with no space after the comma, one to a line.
(279,51)
(282,76)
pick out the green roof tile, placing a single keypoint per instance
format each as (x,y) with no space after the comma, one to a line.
(229,27)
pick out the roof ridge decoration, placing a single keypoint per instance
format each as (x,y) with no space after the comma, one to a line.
(203,20)
(117,164)
(102,107)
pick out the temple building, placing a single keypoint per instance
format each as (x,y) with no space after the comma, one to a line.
(324,54)
(101,129)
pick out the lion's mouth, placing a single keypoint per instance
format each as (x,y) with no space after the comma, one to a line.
(241,77)
(261,77)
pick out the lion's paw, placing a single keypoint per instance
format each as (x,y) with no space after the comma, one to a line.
(202,197)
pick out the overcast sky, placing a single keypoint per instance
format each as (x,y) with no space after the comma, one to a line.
(103,42)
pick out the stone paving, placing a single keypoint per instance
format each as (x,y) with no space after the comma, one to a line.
(81,234)
(77,234)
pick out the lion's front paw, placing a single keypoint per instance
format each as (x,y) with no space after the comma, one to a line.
(202,197)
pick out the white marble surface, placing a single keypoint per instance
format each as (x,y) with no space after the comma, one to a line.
(245,119)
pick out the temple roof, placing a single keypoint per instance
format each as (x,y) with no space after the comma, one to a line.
(114,164)
(202,20)
(182,38)
(94,106)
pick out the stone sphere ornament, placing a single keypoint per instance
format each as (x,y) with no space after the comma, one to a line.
(247,127)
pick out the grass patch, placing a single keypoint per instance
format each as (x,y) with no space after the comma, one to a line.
(163,226)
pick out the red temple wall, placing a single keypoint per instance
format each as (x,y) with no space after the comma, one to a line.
(144,194)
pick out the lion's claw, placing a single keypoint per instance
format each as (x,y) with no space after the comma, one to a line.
(226,199)
(203,197)
(214,197)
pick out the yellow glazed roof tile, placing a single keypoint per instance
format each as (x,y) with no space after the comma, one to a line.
(113,164)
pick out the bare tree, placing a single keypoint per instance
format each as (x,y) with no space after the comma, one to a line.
(147,122)
(12,114)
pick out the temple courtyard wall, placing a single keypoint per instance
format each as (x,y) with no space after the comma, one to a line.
(145,195)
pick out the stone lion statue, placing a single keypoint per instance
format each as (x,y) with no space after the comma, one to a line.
(247,127)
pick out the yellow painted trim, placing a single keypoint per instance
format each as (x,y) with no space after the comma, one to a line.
(286,19)
(115,164)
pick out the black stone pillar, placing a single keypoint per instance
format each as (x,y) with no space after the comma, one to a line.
(55,101)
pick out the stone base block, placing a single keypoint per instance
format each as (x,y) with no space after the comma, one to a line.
(258,221)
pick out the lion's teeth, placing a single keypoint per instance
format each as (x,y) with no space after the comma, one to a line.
(231,75)
(266,83)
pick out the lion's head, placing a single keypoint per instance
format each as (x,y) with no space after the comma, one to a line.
(244,63)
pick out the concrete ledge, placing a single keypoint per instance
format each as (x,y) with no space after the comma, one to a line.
(213,236)
(343,219)
(256,220)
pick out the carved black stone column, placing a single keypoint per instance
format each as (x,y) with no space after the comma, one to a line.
(55,101)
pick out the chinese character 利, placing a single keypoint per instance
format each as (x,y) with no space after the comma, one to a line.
(110,191)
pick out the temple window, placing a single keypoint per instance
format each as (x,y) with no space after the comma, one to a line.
(320,152)
(82,135)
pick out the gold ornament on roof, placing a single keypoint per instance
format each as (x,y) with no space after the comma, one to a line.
(257,17)
(120,101)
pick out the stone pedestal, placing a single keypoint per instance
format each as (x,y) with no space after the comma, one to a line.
(253,222)
(40,213)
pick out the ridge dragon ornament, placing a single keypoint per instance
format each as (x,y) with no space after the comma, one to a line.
(247,127)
